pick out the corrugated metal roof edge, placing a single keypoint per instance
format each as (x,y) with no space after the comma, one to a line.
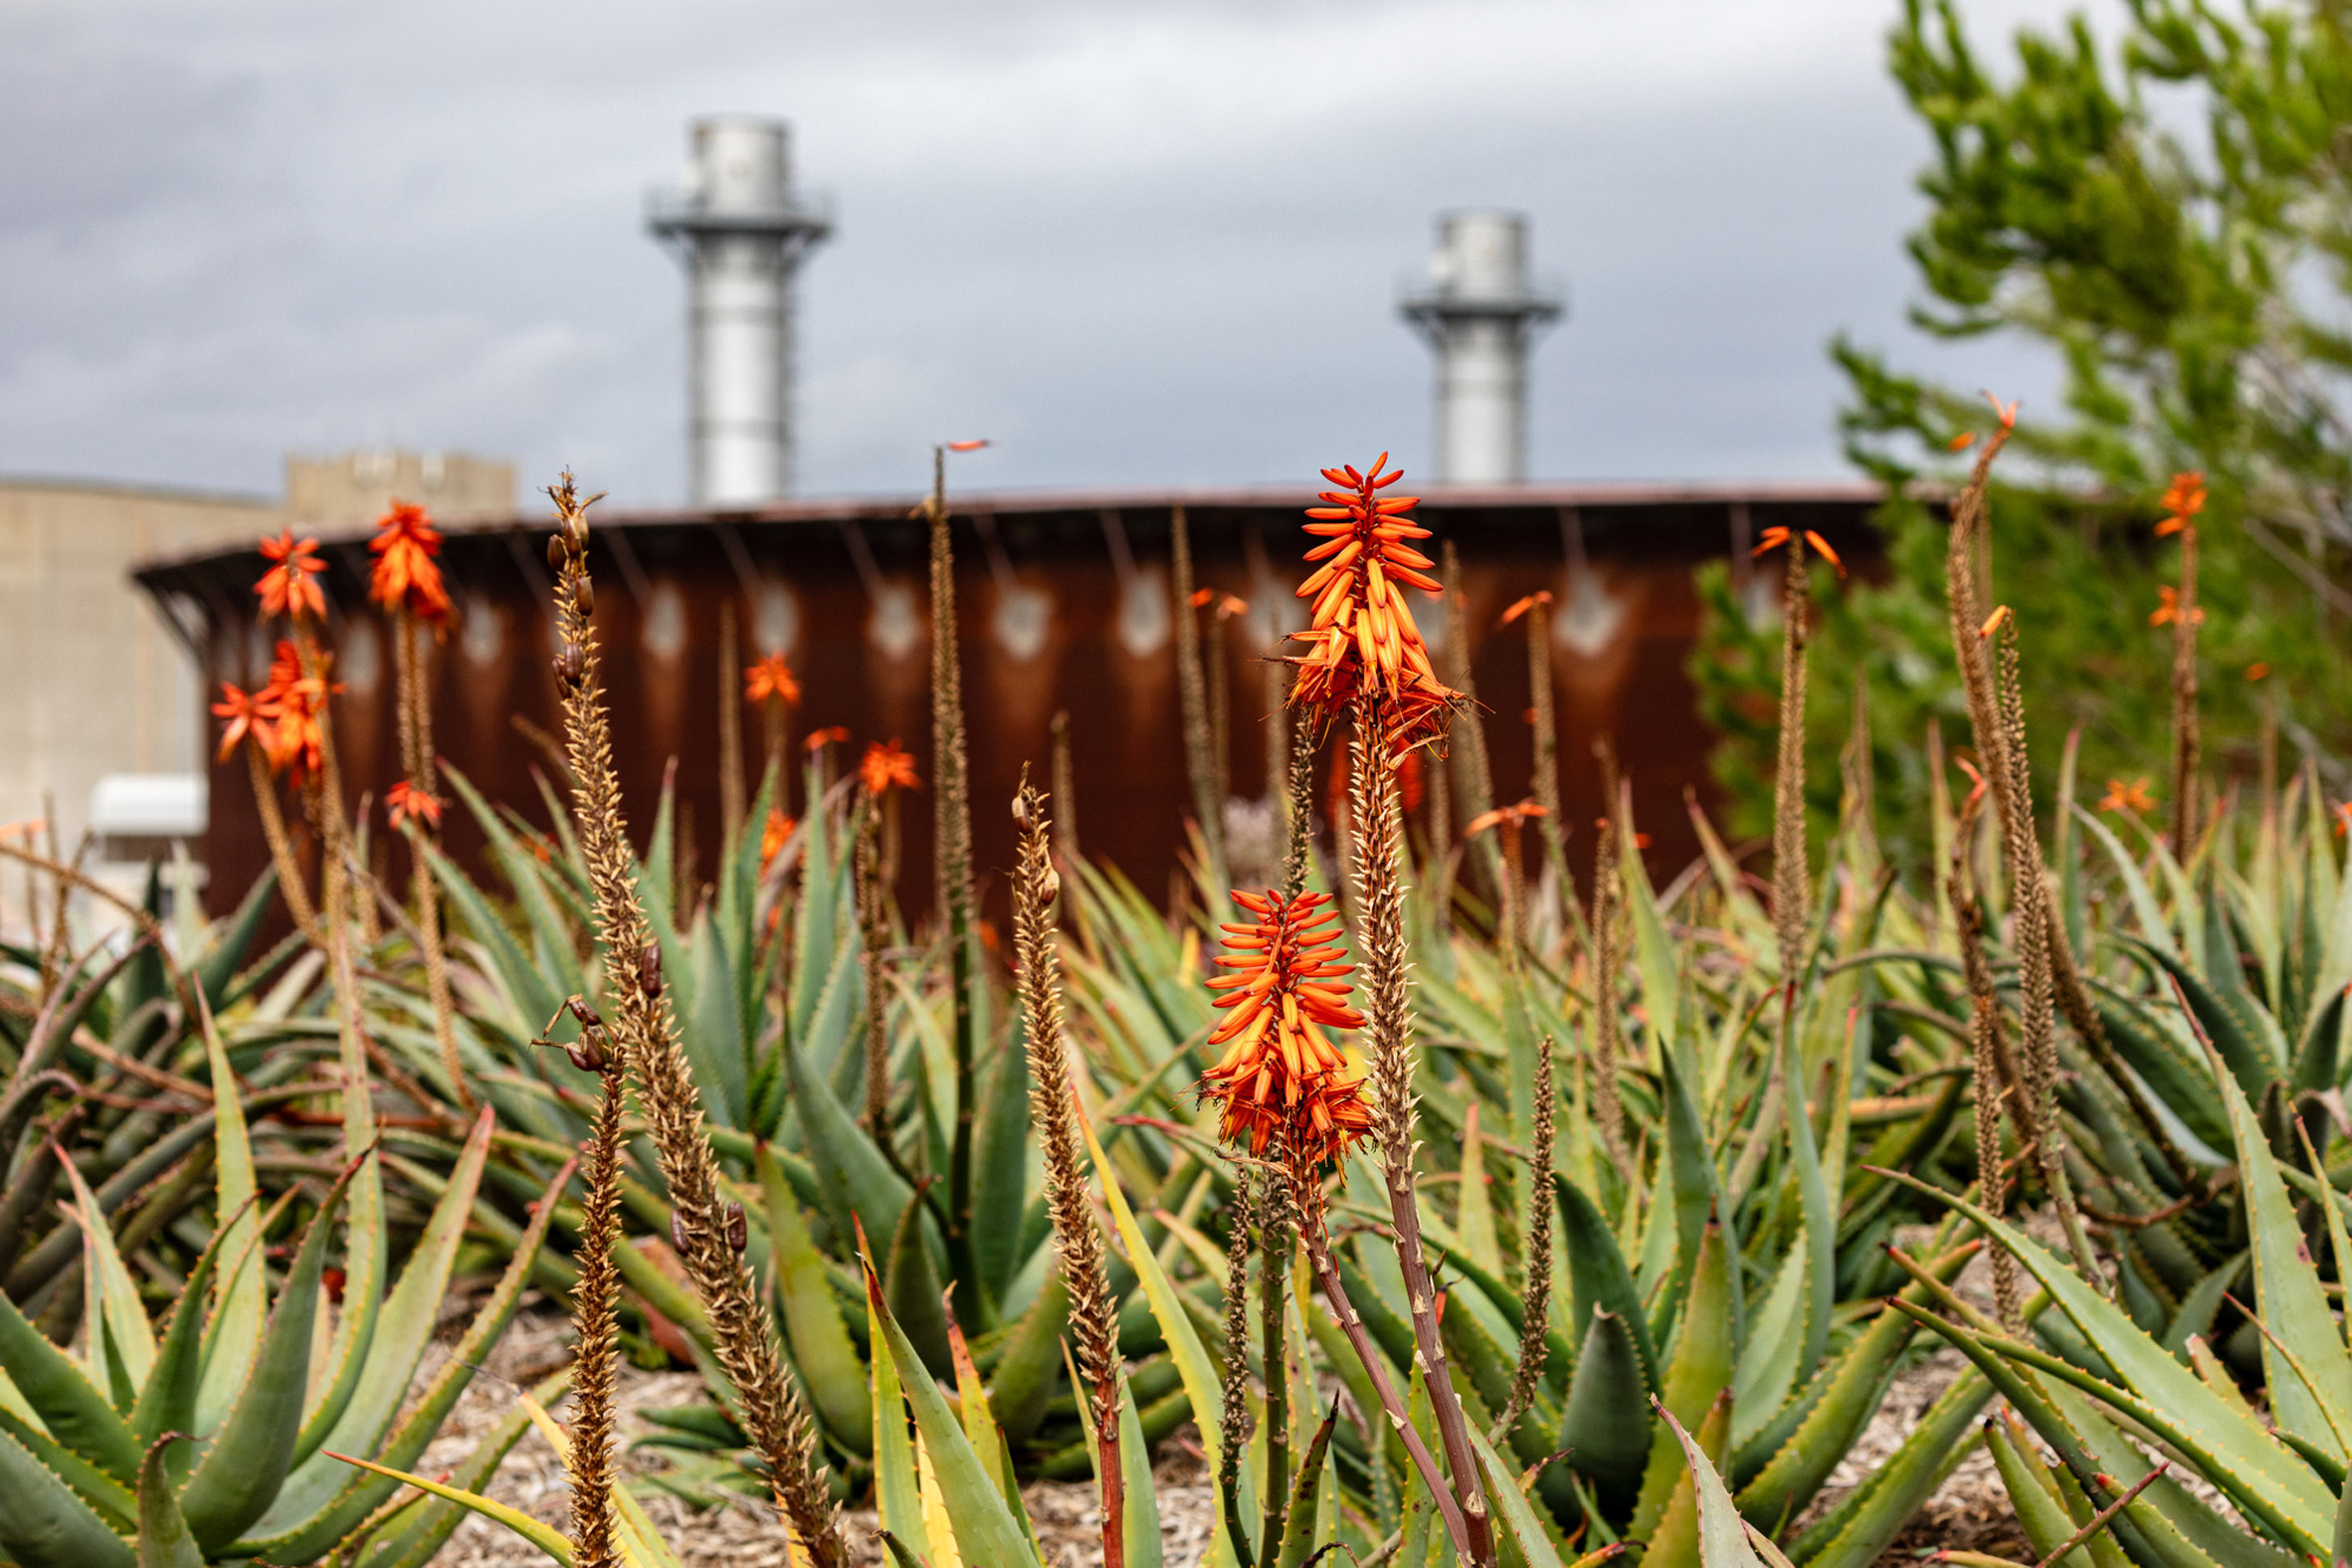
(847,508)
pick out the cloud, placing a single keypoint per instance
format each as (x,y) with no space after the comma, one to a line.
(1138,244)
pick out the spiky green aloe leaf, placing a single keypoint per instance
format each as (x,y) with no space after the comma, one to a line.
(414,1538)
(821,1348)
(852,1175)
(1697,1372)
(42,1525)
(164,1540)
(1855,1382)
(2287,1294)
(985,1530)
(75,1413)
(2240,1455)
(1596,1273)
(240,1293)
(2228,1019)
(1724,1540)
(393,1353)
(248,1459)
(544,1537)
(1593,1431)
(362,1494)
(1201,1382)
(1513,1515)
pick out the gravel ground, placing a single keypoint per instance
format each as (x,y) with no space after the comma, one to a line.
(1969,1511)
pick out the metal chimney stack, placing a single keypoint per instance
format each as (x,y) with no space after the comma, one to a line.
(741,232)
(1479,312)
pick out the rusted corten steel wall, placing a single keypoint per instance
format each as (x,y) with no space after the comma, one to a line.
(1064,603)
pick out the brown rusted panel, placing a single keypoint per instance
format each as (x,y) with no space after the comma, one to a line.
(1061,605)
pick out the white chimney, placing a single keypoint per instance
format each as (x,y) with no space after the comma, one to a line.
(741,232)
(1479,312)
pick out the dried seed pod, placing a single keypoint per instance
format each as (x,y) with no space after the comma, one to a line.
(570,665)
(677,1235)
(588,1016)
(584,597)
(587,1051)
(649,970)
(575,532)
(556,553)
(1023,817)
(738,1227)
(1052,885)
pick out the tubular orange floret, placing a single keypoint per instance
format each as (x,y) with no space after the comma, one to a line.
(1362,639)
(1283,1083)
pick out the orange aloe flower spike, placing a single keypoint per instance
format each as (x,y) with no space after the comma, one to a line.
(287,587)
(770,678)
(1280,1081)
(248,714)
(885,767)
(406,576)
(404,801)
(2184,499)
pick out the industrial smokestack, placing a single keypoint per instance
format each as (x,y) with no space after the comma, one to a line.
(1479,312)
(741,231)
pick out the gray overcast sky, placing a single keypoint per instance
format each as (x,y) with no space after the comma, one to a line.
(1136,244)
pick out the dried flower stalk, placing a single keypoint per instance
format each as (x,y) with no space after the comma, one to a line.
(1790,893)
(1536,1296)
(1608,1107)
(281,852)
(1065,833)
(1276,1217)
(951,825)
(1389,1053)
(595,1304)
(873,931)
(1233,1392)
(1547,731)
(1299,808)
(2185,739)
(731,729)
(1200,746)
(1984,1036)
(1078,1241)
(1996,717)
(647,1030)
(415,745)
(1474,776)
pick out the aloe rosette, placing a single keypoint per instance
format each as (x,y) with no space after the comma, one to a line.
(221,1440)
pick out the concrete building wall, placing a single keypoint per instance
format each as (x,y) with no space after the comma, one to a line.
(350,490)
(95,681)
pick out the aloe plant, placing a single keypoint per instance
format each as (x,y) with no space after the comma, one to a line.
(2106,1380)
(90,1047)
(220,1439)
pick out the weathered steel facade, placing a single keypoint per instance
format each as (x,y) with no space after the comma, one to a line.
(1064,604)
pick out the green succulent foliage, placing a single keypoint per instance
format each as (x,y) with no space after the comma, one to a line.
(2160,207)
(1731,1267)
(220,1440)
(136,994)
